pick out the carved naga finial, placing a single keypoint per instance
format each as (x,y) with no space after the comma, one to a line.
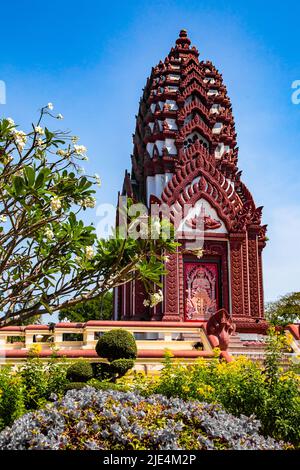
(220,327)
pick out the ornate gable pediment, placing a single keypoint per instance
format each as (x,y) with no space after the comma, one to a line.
(202,217)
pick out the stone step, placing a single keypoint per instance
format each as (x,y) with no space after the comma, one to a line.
(191,336)
(243,350)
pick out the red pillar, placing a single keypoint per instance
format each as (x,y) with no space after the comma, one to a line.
(237,279)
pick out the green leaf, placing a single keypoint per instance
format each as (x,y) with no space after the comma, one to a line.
(49,135)
(47,307)
(18,184)
(72,219)
(39,180)
(29,175)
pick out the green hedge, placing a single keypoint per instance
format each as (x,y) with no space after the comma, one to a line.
(117,344)
(80,371)
(121,366)
(75,386)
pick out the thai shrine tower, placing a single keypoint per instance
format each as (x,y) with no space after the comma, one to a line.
(185,152)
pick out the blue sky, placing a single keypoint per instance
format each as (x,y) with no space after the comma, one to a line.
(91,60)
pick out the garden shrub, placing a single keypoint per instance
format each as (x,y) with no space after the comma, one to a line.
(40,380)
(117,344)
(97,384)
(90,419)
(105,385)
(56,376)
(74,386)
(12,404)
(35,381)
(243,387)
(101,370)
(29,387)
(80,371)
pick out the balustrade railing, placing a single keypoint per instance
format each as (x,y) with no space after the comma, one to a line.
(68,336)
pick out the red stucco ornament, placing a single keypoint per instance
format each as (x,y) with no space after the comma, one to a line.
(219,328)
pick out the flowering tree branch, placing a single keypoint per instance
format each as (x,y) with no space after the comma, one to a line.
(49,259)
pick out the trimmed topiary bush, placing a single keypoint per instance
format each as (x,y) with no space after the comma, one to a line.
(121,366)
(117,344)
(101,370)
(80,371)
(90,419)
(119,348)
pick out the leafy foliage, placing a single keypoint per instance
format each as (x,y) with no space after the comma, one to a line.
(102,370)
(119,347)
(29,387)
(243,387)
(12,404)
(116,344)
(285,310)
(80,371)
(121,366)
(75,386)
(96,309)
(89,419)
(40,380)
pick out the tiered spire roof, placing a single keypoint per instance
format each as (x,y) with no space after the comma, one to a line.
(184,108)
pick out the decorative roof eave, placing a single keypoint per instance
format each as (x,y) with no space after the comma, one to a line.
(192,67)
(195,87)
(197,125)
(169,134)
(161,115)
(194,106)
(166,95)
(193,77)
(212,186)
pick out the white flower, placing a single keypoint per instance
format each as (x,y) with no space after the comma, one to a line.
(166,258)
(88,202)
(39,130)
(156,298)
(59,116)
(55,204)
(11,122)
(20,139)
(50,106)
(89,252)
(49,234)
(7,159)
(80,149)
(98,180)
(39,142)
(146,303)
(3,218)
(199,253)
(20,135)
